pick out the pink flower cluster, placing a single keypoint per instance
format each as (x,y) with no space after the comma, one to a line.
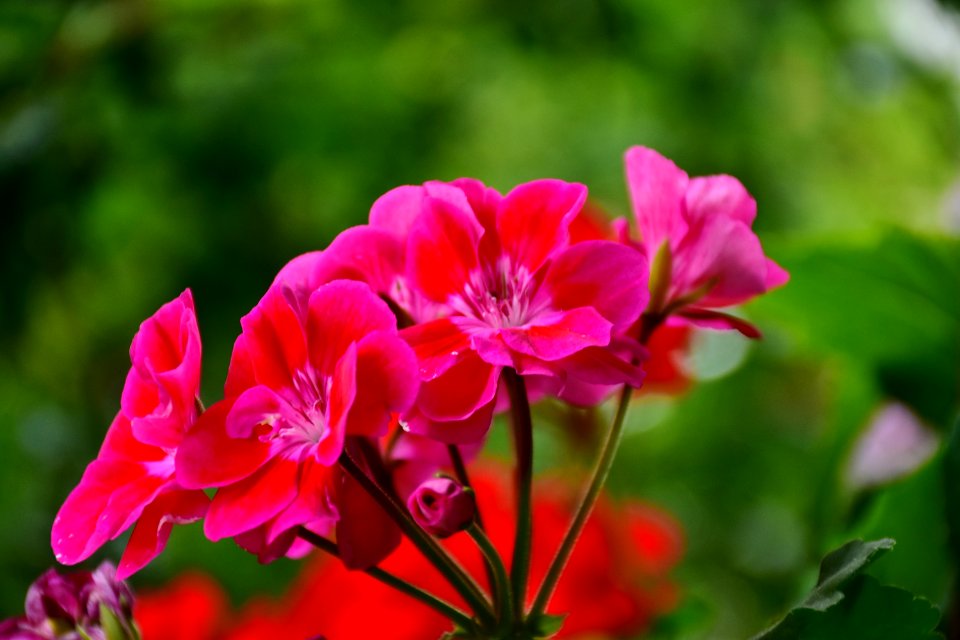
(388,348)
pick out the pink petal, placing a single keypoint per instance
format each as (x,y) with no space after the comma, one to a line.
(777,276)
(340,314)
(208,457)
(387,383)
(110,497)
(256,406)
(534,217)
(366,254)
(560,334)
(719,196)
(249,503)
(438,345)
(240,375)
(396,210)
(343,393)
(365,533)
(484,201)
(726,252)
(274,340)
(605,276)
(657,190)
(313,502)
(442,249)
(119,444)
(468,431)
(300,273)
(607,366)
(460,390)
(711,319)
(153,528)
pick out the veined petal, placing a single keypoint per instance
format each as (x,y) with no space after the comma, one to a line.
(460,390)
(719,196)
(438,345)
(341,313)
(252,501)
(209,457)
(274,340)
(484,201)
(605,276)
(313,502)
(534,217)
(387,383)
(657,190)
(153,528)
(343,393)
(256,406)
(442,249)
(560,334)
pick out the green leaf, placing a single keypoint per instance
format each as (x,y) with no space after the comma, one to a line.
(547,625)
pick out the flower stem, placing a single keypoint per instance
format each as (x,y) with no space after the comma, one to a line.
(523,445)
(443,608)
(446,565)
(501,580)
(601,470)
(460,472)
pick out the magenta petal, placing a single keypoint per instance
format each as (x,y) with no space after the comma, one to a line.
(396,210)
(340,314)
(119,444)
(442,249)
(240,374)
(313,502)
(366,254)
(208,457)
(606,276)
(343,393)
(438,345)
(719,196)
(657,190)
(484,201)
(387,383)
(299,273)
(777,276)
(274,340)
(249,503)
(256,406)
(110,497)
(460,390)
(534,217)
(560,334)
(710,319)
(365,533)
(468,431)
(153,528)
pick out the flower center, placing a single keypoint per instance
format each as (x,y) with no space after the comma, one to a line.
(299,430)
(500,296)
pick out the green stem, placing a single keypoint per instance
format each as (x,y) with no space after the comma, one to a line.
(523,445)
(501,580)
(443,608)
(451,570)
(608,452)
(460,472)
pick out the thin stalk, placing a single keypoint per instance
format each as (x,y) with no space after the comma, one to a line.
(460,472)
(523,446)
(447,566)
(440,606)
(601,470)
(502,581)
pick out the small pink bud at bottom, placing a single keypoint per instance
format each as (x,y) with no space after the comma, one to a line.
(442,507)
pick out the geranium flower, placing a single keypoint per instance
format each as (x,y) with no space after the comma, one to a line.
(132,479)
(305,375)
(492,281)
(705,224)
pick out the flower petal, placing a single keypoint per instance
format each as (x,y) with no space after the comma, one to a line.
(365,533)
(209,457)
(719,196)
(340,314)
(560,334)
(605,276)
(153,528)
(252,501)
(534,217)
(442,249)
(438,345)
(460,390)
(657,190)
(274,340)
(387,383)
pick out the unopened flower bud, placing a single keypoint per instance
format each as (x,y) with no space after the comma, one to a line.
(442,507)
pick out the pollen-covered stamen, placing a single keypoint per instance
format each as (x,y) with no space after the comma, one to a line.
(502,296)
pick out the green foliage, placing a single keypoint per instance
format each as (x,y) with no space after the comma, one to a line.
(847,604)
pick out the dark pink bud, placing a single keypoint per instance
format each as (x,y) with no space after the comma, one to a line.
(442,507)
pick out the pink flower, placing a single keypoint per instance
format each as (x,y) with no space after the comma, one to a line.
(717,260)
(132,480)
(306,373)
(493,281)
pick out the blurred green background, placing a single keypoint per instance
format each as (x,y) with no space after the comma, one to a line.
(150,146)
